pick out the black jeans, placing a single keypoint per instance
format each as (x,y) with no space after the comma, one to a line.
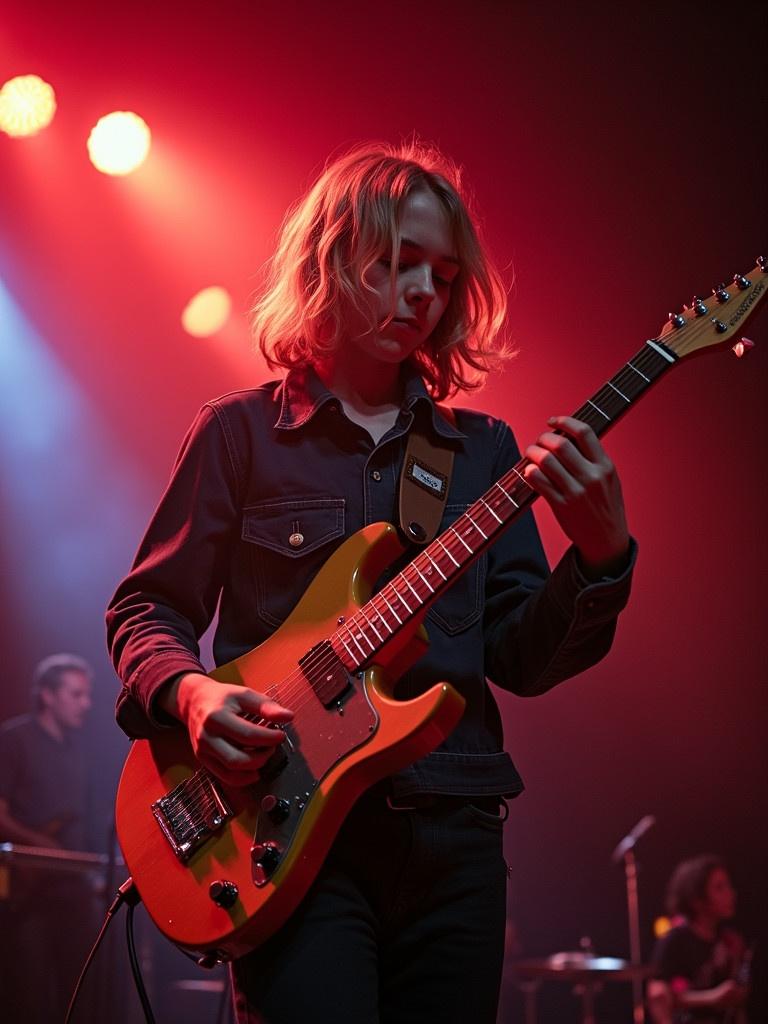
(404,924)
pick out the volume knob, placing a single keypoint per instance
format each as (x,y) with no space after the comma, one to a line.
(223,893)
(277,808)
(266,857)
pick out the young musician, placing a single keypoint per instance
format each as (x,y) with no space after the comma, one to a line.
(699,964)
(381,301)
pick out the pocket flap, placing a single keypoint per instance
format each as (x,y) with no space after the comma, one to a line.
(294,528)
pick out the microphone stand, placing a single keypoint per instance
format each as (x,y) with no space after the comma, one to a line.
(625,852)
(630,874)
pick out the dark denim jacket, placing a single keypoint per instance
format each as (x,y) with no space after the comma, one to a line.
(254,465)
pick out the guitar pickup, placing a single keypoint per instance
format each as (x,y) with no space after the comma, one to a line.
(190,813)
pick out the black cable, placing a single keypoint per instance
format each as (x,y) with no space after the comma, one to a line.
(135,967)
(127,893)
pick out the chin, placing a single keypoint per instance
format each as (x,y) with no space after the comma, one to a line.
(393,351)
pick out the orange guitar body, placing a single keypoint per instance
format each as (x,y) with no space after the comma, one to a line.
(334,754)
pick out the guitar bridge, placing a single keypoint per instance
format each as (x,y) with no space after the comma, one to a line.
(190,813)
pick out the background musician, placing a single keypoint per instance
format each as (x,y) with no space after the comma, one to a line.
(47,915)
(699,965)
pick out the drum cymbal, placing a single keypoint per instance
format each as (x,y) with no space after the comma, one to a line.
(576,967)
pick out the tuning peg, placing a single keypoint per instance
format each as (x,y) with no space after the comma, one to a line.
(743,346)
(677,319)
(761,263)
(720,293)
(741,282)
(698,306)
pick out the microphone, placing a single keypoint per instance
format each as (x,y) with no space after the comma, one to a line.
(629,840)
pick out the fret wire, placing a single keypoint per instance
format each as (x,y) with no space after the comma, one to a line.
(426,582)
(620,393)
(400,597)
(445,549)
(631,365)
(597,407)
(383,596)
(507,496)
(436,565)
(371,624)
(481,532)
(498,520)
(417,596)
(351,655)
(381,612)
(454,531)
(631,379)
(354,640)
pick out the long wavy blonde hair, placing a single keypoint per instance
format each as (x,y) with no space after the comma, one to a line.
(332,237)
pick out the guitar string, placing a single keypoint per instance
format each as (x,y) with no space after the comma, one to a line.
(197,790)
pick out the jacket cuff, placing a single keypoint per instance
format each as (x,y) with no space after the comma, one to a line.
(137,712)
(598,600)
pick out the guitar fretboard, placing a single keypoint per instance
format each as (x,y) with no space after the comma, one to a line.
(435,568)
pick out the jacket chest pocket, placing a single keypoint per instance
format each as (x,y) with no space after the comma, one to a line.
(288,542)
(462,605)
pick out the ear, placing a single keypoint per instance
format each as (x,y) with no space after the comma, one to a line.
(47,696)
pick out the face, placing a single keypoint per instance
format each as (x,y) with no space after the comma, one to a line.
(69,703)
(425,272)
(720,900)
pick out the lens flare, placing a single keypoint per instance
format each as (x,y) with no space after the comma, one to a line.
(119,142)
(207,312)
(27,105)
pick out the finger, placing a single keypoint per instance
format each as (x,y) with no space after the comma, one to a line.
(546,463)
(264,706)
(581,434)
(540,483)
(567,455)
(231,764)
(233,726)
(275,712)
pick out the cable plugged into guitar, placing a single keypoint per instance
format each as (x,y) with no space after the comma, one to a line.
(126,894)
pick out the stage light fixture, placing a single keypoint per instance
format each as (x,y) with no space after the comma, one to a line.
(119,142)
(207,312)
(27,105)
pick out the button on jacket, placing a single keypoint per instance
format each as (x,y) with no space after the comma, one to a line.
(268,482)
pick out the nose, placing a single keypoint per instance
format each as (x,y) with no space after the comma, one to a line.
(421,288)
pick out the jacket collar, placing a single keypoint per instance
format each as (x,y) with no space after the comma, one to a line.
(303,395)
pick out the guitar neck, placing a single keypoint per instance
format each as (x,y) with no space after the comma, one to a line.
(436,568)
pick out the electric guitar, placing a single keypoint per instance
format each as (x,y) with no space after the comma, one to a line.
(221,869)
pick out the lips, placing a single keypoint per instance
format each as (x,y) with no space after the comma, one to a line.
(411,322)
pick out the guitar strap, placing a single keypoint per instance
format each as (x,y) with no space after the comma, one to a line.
(424,483)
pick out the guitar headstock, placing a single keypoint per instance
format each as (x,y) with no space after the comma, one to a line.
(719,318)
